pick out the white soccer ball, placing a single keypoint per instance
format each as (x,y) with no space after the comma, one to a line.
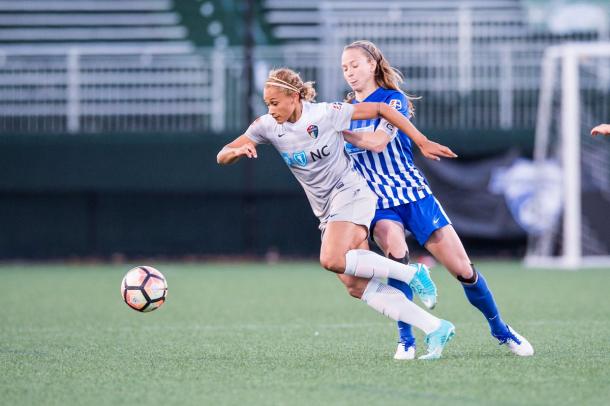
(144,288)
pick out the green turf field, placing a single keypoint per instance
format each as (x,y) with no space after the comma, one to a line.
(287,334)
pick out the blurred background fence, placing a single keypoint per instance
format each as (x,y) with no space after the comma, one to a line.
(154,88)
(78,90)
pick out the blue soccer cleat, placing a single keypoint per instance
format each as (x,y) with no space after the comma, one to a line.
(423,285)
(438,339)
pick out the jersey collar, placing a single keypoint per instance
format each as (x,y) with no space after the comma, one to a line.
(372,96)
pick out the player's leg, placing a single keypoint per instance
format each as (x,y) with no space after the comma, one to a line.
(339,239)
(445,245)
(338,255)
(389,235)
(352,211)
(355,286)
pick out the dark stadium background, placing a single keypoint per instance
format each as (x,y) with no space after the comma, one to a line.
(91,188)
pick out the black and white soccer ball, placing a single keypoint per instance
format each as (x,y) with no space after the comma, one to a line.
(144,288)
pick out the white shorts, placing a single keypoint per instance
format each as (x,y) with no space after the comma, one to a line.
(355,204)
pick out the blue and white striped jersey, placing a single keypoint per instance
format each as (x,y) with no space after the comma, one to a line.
(391,173)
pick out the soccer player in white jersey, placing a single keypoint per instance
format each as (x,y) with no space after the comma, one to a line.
(383,155)
(309,138)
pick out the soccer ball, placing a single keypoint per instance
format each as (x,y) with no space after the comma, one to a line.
(144,288)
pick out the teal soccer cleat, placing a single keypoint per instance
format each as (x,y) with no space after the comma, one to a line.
(438,339)
(423,285)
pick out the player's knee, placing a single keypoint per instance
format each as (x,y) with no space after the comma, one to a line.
(464,271)
(332,262)
(391,241)
(399,256)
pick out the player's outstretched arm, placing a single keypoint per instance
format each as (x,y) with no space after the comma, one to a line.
(232,152)
(429,149)
(603,129)
(369,140)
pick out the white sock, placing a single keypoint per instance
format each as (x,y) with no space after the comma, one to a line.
(367,264)
(392,303)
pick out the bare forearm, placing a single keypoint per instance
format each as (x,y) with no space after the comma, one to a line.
(367,110)
(429,149)
(227,155)
(232,152)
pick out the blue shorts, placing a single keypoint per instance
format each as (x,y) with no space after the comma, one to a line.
(421,218)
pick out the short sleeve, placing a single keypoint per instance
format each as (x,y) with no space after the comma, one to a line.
(340,115)
(256,132)
(399,101)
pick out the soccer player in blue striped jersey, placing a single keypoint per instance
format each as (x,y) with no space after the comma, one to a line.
(383,155)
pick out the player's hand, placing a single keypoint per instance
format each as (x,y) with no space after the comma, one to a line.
(603,129)
(247,150)
(435,151)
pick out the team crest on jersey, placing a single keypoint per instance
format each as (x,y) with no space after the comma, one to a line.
(396,104)
(312,130)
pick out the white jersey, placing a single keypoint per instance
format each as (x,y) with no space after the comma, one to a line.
(313,149)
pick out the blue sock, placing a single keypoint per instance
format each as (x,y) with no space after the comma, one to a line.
(480,296)
(404,330)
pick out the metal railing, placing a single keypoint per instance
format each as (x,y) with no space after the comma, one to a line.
(138,90)
(112,89)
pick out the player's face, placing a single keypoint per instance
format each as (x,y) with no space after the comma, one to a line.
(282,106)
(358,70)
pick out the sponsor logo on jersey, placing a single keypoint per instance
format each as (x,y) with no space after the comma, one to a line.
(337,106)
(312,130)
(299,158)
(397,104)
